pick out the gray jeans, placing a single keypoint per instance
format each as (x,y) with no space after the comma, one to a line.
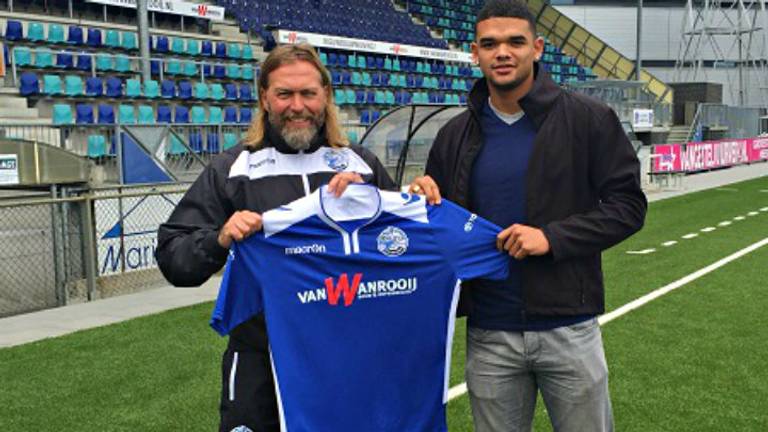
(505,370)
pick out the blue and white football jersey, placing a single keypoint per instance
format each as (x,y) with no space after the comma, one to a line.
(359,295)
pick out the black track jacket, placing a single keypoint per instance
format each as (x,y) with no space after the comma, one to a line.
(583,190)
(188,252)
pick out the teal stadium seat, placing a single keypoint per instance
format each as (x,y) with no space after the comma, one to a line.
(55,33)
(339,97)
(352,136)
(178,45)
(190,68)
(146,114)
(215,116)
(193,47)
(387,64)
(126,114)
(173,67)
(201,91)
(230,140)
(52,85)
(62,114)
(122,63)
(233,71)
(217,92)
(22,56)
(177,148)
(352,61)
(357,78)
(129,41)
(133,88)
(366,79)
(97,146)
(361,62)
(151,89)
(247,53)
(233,50)
(198,114)
(112,39)
(73,86)
(35,32)
(43,58)
(104,62)
(247,73)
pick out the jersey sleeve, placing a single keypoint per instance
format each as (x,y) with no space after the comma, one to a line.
(468,242)
(240,296)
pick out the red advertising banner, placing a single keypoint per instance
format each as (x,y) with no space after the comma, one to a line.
(701,156)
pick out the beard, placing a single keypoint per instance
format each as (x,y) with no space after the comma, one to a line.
(509,86)
(297,138)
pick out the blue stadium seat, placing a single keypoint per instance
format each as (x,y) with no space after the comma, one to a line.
(221,49)
(161,44)
(22,56)
(106,114)
(73,86)
(181,114)
(245,115)
(163,114)
(84,114)
(154,67)
(246,94)
(346,78)
(94,38)
(335,77)
(365,117)
(62,114)
(219,71)
(64,60)
(231,91)
(55,33)
(207,70)
(94,87)
(75,35)
(84,62)
(360,97)
(52,85)
(332,59)
(35,32)
(206,48)
(13,31)
(185,90)
(370,97)
(114,87)
(29,84)
(196,142)
(212,143)
(168,89)
(230,114)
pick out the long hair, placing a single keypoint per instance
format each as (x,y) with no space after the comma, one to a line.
(287,54)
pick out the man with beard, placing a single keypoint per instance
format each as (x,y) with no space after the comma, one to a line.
(556,168)
(294,145)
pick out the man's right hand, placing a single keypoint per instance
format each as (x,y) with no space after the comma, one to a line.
(239,226)
(426,186)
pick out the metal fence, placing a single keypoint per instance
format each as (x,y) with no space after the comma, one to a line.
(79,245)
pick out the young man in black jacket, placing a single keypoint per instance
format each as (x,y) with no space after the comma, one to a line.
(557,170)
(294,146)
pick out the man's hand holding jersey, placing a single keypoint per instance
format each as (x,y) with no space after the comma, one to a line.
(244,223)
(518,240)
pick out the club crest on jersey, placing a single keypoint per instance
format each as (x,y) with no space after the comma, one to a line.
(336,160)
(392,241)
(470,223)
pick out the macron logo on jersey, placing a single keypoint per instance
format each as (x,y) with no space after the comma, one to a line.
(357,289)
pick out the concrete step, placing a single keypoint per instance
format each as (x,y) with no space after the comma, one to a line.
(18,113)
(13,102)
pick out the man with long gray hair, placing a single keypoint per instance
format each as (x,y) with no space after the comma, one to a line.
(294,145)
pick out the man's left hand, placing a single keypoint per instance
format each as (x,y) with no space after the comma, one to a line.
(340,181)
(521,241)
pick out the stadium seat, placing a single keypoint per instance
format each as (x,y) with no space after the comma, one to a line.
(352,136)
(94,87)
(387,64)
(361,62)
(112,39)
(173,67)
(201,91)
(217,92)
(185,90)
(94,38)
(13,31)
(75,35)
(247,73)
(233,71)
(151,89)
(178,45)
(247,53)
(181,114)
(221,49)
(246,94)
(43,58)
(123,63)
(55,33)
(370,97)
(360,97)
(230,114)
(366,79)
(231,91)
(163,114)
(207,70)
(245,115)
(365,117)
(219,71)
(168,89)
(126,114)
(195,140)
(206,48)
(29,84)
(177,147)
(64,60)
(84,114)
(146,114)
(62,114)
(233,50)
(114,87)
(230,140)
(357,78)
(198,114)
(129,41)
(335,77)
(215,115)
(106,114)
(333,59)
(104,62)
(339,97)
(190,68)
(351,61)
(22,56)
(212,143)
(84,62)
(52,85)
(97,146)
(73,86)
(35,32)
(193,47)
(161,44)
(133,88)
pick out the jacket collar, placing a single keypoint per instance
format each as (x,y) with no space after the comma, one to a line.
(272,138)
(536,103)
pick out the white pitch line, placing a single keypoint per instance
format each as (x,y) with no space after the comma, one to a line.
(669,243)
(460,389)
(739,218)
(690,236)
(642,252)
(764,209)
(753,213)
(708,229)
(724,223)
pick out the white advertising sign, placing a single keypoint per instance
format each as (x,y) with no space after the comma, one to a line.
(642,118)
(338,42)
(9,169)
(197,10)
